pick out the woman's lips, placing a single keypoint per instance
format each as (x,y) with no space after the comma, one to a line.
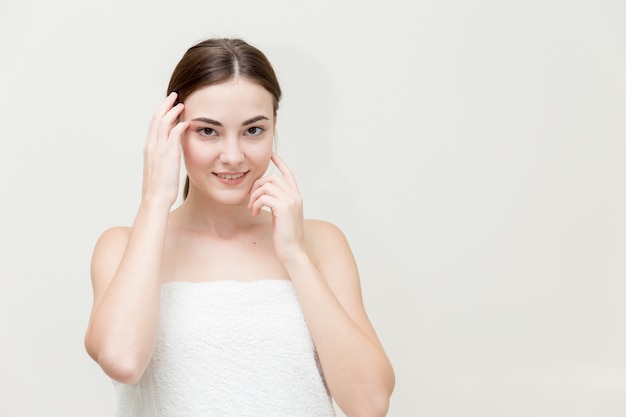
(231,177)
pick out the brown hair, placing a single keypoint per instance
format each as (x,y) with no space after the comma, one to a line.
(215,61)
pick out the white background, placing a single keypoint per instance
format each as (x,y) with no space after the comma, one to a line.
(472,151)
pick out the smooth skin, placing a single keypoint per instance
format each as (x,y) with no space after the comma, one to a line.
(236,223)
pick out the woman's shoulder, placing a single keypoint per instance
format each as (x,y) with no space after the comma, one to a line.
(111,243)
(324,238)
(107,253)
(113,236)
(321,229)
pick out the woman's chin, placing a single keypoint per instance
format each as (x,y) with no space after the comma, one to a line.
(232,198)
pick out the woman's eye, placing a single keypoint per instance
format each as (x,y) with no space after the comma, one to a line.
(254,131)
(206,132)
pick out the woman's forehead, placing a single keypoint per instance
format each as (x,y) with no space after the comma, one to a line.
(235,99)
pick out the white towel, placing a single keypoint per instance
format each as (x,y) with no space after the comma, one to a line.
(229,348)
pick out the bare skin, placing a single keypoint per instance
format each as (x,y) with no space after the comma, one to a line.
(222,231)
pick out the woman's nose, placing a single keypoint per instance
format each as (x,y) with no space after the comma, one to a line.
(231,153)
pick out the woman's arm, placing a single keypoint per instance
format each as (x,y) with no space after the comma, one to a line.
(126,263)
(125,274)
(321,266)
(357,370)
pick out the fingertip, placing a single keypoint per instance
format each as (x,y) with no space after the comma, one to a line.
(172,97)
(277,160)
(183,126)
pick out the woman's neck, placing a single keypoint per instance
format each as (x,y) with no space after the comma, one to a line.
(209,216)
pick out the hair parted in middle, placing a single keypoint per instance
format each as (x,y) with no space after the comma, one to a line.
(217,60)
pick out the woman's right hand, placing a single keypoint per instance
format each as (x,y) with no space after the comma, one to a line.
(126,264)
(161,172)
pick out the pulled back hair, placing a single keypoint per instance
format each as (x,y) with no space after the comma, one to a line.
(214,61)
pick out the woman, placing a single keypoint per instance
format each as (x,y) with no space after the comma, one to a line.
(219,306)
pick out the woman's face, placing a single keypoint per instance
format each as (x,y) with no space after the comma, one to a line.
(228,144)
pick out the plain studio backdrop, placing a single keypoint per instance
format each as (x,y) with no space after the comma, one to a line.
(473,152)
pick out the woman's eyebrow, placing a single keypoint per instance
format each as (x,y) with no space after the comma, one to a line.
(216,123)
(254,120)
(207,121)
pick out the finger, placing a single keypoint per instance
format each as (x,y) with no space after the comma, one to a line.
(256,194)
(163,108)
(283,200)
(264,200)
(272,178)
(269,189)
(177,133)
(166,105)
(284,170)
(167,122)
(276,186)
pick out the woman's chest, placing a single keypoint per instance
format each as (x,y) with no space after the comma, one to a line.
(199,260)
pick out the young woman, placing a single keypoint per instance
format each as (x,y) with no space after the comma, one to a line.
(230,303)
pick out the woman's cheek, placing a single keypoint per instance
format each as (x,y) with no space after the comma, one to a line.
(193,151)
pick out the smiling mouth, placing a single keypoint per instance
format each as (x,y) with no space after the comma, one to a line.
(230,176)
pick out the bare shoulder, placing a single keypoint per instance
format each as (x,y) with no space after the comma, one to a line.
(322,237)
(329,250)
(107,254)
(111,240)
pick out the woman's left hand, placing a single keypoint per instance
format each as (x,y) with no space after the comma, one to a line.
(281,195)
